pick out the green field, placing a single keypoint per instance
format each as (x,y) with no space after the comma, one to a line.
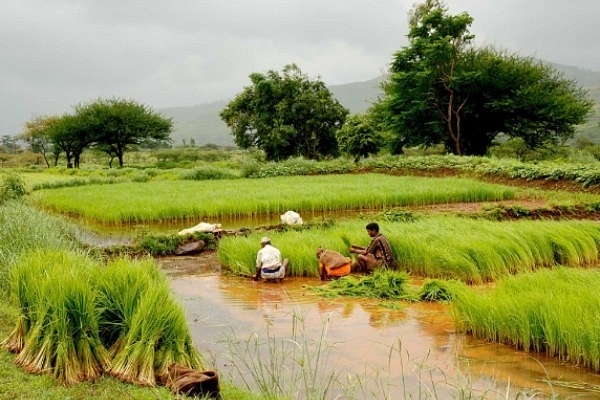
(192,200)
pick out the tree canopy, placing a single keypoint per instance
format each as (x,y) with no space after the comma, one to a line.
(285,114)
(117,125)
(359,137)
(443,90)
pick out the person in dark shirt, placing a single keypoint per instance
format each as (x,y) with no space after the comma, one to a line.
(378,254)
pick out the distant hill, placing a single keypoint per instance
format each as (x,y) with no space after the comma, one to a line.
(203,124)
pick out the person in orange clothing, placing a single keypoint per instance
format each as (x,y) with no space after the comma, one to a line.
(332,264)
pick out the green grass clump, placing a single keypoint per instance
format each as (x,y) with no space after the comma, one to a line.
(549,311)
(166,244)
(440,290)
(60,335)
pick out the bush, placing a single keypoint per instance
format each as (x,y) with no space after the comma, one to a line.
(13,188)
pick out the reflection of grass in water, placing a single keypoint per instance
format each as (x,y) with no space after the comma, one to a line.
(297,367)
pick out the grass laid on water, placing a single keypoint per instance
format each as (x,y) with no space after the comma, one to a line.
(473,251)
(189,200)
(549,311)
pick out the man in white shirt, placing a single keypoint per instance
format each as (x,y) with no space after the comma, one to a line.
(269,264)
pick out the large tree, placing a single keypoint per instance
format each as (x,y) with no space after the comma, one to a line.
(285,114)
(117,125)
(443,90)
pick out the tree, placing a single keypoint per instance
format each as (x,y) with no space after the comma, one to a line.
(116,126)
(285,114)
(68,134)
(359,137)
(36,135)
(442,90)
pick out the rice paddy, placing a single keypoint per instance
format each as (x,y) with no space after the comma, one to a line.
(192,201)
(550,311)
(469,250)
(537,306)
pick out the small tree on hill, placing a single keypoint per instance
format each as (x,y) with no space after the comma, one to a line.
(285,114)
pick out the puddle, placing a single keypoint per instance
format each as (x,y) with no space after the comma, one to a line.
(395,351)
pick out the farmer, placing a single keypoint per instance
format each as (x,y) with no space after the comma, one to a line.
(378,254)
(268,262)
(332,263)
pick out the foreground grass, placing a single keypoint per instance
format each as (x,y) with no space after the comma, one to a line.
(181,200)
(25,230)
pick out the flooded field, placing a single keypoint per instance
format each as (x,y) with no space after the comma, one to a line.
(374,349)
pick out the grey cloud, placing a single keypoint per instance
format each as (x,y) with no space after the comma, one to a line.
(57,53)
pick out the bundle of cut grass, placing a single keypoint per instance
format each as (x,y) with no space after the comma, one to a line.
(157,338)
(63,337)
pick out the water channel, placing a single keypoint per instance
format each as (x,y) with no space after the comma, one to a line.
(372,349)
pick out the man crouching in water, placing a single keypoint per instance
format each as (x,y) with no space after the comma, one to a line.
(378,254)
(268,262)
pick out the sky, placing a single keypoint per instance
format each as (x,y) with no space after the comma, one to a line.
(55,54)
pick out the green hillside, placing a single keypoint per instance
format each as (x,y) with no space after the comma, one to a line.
(202,123)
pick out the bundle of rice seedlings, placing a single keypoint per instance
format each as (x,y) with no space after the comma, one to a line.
(121,285)
(157,338)
(382,284)
(23,291)
(80,355)
(440,290)
(63,339)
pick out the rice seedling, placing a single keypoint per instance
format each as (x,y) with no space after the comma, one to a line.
(157,337)
(472,251)
(59,307)
(382,284)
(440,290)
(548,311)
(121,285)
(189,200)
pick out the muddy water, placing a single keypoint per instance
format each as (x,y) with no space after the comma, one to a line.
(395,350)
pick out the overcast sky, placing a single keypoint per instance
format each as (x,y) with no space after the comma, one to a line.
(55,54)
